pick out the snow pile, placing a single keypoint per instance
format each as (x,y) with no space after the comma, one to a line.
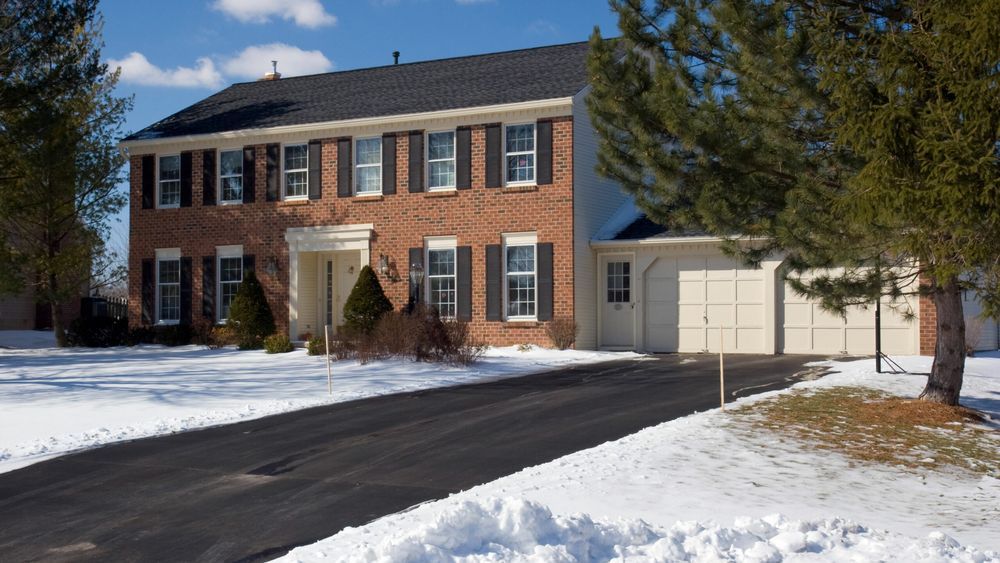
(518,530)
(54,401)
(657,494)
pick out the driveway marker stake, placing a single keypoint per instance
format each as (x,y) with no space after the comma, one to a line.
(329,376)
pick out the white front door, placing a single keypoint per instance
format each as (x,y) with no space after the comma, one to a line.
(339,272)
(617,302)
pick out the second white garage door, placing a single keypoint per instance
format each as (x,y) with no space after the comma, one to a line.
(689,297)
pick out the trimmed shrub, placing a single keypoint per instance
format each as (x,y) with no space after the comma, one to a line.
(97,332)
(221,336)
(316,346)
(366,304)
(278,344)
(395,334)
(461,350)
(562,332)
(250,315)
(172,335)
(201,331)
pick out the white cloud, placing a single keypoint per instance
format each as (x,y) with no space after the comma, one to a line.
(136,69)
(305,13)
(255,60)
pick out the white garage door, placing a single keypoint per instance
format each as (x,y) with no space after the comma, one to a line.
(689,297)
(981,333)
(808,329)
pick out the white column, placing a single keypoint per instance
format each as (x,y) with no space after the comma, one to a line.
(642,263)
(293,290)
(771,305)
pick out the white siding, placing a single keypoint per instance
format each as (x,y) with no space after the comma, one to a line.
(595,199)
(980,333)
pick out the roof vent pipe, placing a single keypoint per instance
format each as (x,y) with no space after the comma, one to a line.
(395,57)
(274,74)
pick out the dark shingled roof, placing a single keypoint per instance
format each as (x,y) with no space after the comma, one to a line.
(498,78)
(643,228)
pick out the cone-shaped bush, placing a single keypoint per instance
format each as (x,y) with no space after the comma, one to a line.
(250,315)
(366,304)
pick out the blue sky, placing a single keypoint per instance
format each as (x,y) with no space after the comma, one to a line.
(175,53)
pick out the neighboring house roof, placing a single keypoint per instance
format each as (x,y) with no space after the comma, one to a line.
(541,73)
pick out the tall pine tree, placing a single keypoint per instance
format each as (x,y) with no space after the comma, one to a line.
(859,138)
(59,125)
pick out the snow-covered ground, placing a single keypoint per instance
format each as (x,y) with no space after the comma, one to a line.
(705,488)
(54,401)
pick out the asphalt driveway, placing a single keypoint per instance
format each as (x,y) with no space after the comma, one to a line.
(254,490)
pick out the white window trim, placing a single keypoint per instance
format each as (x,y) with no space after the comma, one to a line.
(163,255)
(440,243)
(519,239)
(159,182)
(533,152)
(427,159)
(231,251)
(218,175)
(284,172)
(381,159)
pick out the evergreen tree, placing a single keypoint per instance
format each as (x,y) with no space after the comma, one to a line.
(860,137)
(366,304)
(250,314)
(59,163)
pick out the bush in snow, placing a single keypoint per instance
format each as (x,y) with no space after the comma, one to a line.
(172,335)
(278,344)
(250,315)
(222,336)
(366,304)
(562,332)
(316,346)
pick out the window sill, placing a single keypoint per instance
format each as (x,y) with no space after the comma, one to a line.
(519,188)
(522,323)
(360,198)
(450,192)
(178,206)
(293,202)
(167,323)
(232,202)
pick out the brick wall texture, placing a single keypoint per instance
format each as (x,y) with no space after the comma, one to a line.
(477,217)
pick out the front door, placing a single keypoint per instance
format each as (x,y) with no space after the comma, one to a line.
(339,274)
(617,302)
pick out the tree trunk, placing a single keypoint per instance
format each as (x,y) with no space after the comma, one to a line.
(945,381)
(56,307)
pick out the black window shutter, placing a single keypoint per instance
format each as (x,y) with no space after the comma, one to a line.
(463,261)
(148,181)
(544,265)
(249,173)
(389,164)
(148,290)
(463,158)
(186,290)
(249,264)
(416,258)
(494,165)
(315,170)
(208,287)
(543,163)
(208,177)
(494,282)
(344,165)
(416,161)
(186,176)
(273,153)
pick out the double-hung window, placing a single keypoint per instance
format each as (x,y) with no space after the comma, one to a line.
(231,176)
(296,167)
(368,166)
(520,152)
(230,277)
(441,282)
(441,160)
(168,286)
(520,277)
(170,181)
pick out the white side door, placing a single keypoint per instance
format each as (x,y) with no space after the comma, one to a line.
(617,301)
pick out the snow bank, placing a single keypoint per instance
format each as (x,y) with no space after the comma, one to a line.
(54,401)
(518,530)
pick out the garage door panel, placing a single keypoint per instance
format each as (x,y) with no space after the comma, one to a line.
(691,291)
(749,315)
(798,340)
(827,340)
(748,339)
(691,315)
(750,291)
(691,268)
(719,291)
(690,339)
(798,314)
(661,289)
(662,314)
(861,340)
(663,268)
(896,341)
(720,315)
(859,316)
(826,319)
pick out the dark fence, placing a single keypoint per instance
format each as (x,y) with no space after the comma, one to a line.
(112,307)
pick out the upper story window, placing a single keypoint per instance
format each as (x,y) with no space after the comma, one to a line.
(520,153)
(441,160)
(168,287)
(231,176)
(170,181)
(368,166)
(441,283)
(520,277)
(296,167)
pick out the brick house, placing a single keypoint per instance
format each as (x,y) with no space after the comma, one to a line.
(477,174)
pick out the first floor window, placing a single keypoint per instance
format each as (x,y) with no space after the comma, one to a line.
(296,166)
(520,267)
(231,175)
(441,160)
(168,290)
(170,181)
(520,151)
(368,167)
(441,280)
(230,277)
